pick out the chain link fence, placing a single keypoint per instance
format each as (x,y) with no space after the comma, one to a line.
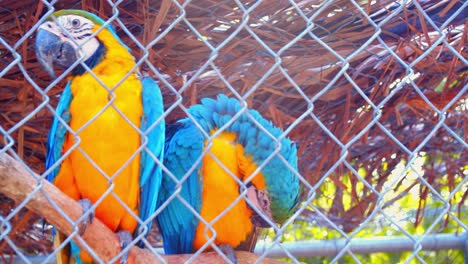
(374,93)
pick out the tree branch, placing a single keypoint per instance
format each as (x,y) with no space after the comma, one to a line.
(18,184)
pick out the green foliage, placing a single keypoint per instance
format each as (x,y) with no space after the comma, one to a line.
(438,216)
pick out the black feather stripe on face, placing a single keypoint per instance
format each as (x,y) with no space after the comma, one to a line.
(92,61)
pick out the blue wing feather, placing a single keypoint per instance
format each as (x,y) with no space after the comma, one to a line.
(184,145)
(58,132)
(55,141)
(151,173)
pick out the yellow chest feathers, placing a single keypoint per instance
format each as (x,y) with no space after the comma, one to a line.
(221,191)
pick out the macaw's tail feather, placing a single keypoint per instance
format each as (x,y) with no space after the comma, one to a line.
(70,253)
(63,255)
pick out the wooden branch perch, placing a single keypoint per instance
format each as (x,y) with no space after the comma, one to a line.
(18,184)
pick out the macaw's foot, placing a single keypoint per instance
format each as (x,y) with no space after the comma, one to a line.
(229,252)
(86,205)
(125,239)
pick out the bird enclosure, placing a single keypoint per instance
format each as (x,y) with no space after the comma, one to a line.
(373,93)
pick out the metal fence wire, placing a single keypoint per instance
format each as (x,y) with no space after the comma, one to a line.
(373,93)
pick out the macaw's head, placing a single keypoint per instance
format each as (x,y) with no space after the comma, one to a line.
(279,196)
(70,35)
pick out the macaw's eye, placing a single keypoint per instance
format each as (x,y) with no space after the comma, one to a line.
(76,23)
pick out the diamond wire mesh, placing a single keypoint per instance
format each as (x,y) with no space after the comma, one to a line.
(344,198)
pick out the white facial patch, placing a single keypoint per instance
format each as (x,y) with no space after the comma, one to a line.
(79,33)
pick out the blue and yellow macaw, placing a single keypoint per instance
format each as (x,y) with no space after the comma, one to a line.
(100,129)
(236,141)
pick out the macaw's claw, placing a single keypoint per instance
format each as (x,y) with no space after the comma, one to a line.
(44,225)
(86,205)
(125,239)
(229,252)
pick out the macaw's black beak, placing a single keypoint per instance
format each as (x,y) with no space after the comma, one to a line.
(258,220)
(51,49)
